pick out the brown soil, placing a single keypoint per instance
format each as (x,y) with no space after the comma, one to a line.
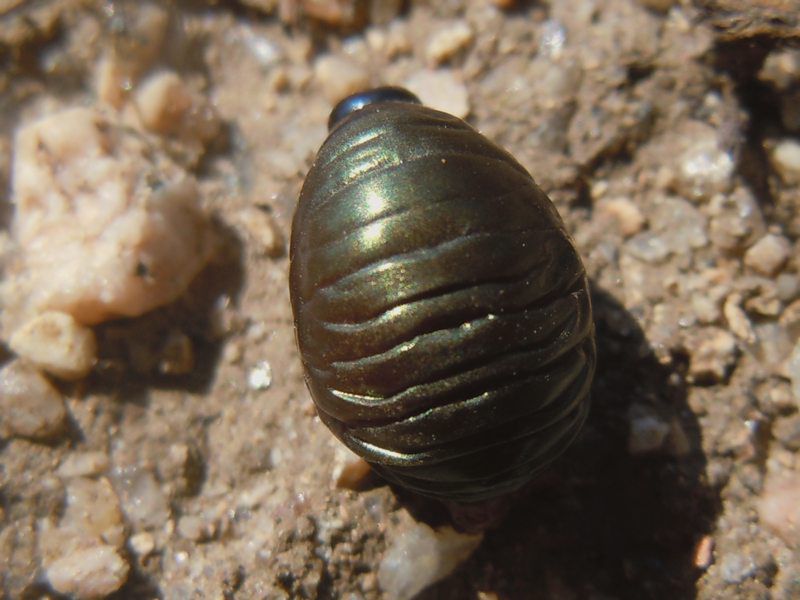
(602,100)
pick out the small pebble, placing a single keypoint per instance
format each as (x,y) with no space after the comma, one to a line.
(349,471)
(706,308)
(275,456)
(392,41)
(786,160)
(773,346)
(93,510)
(29,405)
(779,506)
(260,377)
(225,317)
(80,556)
(448,41)
(262,231)
(628,216)
(339,77)
(175,463)
(256,494)
(634,278)
(142,544)
(766,304)
(787,432)
(369,582)
(739,438)
(736,567)
(257,331)
(266,51)
(162,101)
(553,37)
(93,572)
(83,464)
(712,356)
(704,168)
(662,329)
(736,220)
(144,502)
(790,319)
(164,104)
(419,557)
(787,287)
(777,398)
(647,431)
(177,354)
(681,226)
(442,90)
(704,552)
(738,322)
(195,528)
(781,68)
(768,254)
(55,342)
(648,246)
(232,352)
(342,13)
(113,80)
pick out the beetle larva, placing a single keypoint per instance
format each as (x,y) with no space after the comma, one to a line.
(441,309)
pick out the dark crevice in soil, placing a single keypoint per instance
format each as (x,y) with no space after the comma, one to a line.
(741,60)
(603,520)
(139,585)
(583,196)
(25,59)
(40,590)
(639,72)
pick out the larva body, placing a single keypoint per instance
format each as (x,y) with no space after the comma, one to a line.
(442,311)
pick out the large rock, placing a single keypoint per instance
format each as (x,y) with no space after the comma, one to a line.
(105,226)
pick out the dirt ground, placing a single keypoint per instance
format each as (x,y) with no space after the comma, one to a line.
(666,132)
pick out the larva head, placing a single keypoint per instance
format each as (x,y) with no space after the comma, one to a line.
(356,102)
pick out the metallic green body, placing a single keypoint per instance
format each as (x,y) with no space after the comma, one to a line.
(442,311)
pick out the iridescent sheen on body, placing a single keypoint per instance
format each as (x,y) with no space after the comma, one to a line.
(441,309)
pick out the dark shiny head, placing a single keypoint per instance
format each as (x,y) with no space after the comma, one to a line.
(358,101)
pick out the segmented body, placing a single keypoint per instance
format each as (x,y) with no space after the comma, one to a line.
(441,309)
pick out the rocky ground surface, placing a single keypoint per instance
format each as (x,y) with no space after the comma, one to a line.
(176,453)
